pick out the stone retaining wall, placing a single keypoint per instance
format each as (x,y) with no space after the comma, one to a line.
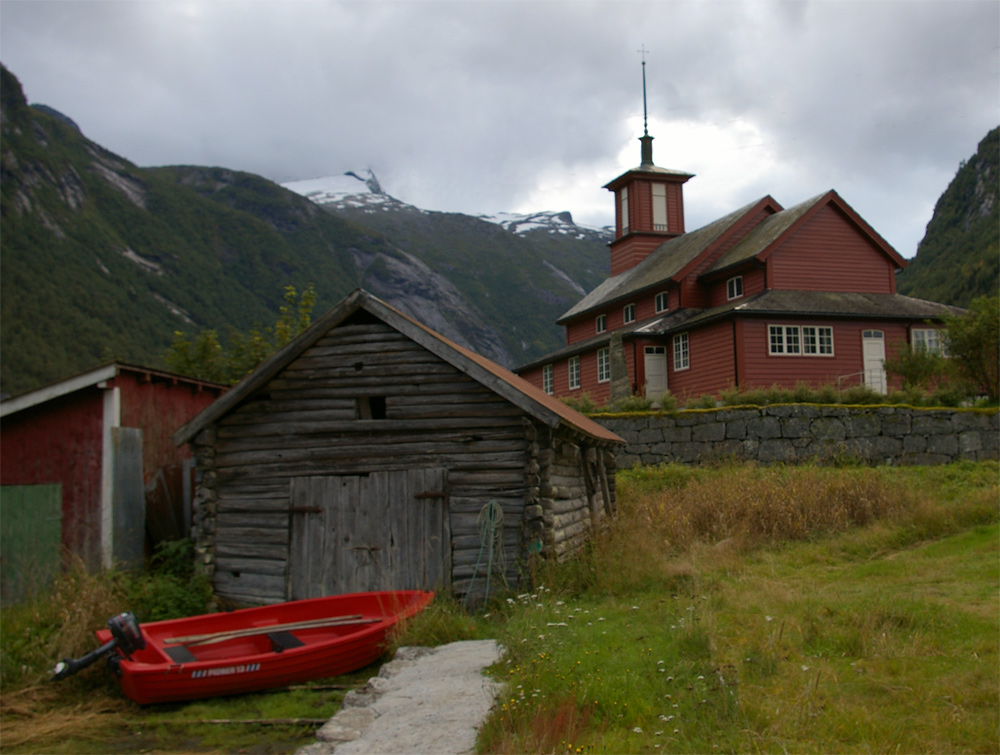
(805,432)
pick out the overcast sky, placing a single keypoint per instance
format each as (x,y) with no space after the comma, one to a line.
(509,105)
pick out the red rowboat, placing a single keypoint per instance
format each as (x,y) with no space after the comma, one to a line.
(259,648)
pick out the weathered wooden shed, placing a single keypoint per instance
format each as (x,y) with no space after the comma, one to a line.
(373,453)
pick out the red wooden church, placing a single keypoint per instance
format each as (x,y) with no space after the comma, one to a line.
(763,296)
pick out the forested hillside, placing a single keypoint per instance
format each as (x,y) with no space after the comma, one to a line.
(959,257)
(102,259)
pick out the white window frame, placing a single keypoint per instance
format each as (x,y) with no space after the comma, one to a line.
(628,313)
(662,301)
(573,369)
(682,352)
(734,288)
(799,340)
(623,200)
(817,341)
(928,339)
(659,207)
(547,382)
(603,365)
(601,323)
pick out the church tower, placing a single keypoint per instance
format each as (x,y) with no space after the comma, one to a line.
(649,203)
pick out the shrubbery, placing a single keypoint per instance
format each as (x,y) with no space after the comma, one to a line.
(36,634)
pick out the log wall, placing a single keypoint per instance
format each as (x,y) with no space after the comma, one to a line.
(365,398)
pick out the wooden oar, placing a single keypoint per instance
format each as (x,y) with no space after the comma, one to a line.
(249,631)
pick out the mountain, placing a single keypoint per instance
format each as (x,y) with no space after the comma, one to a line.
(103,259)
(958,259)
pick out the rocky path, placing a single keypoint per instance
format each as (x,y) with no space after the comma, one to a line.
(424,701)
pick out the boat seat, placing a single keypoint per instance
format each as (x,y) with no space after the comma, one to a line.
(281,641)
(180,654)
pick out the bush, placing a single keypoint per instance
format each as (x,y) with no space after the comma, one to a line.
(61,623)
(632,404)
(582,403)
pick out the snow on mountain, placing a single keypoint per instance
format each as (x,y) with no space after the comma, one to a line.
(361,189)
(553,222)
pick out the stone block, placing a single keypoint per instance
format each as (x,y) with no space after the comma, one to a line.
(897,424)
(711,432)
(862,425)
(776,450)
(945,445)
(736,428)
(795,427)
(828,428)
(932,424)
(764,428)
(677,435)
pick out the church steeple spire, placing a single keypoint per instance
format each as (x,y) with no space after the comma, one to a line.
(649,201)
(646,140)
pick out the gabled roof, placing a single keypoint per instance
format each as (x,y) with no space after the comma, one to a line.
(764,238)
(535,402)
(95,377)
(665,262)
(783,303)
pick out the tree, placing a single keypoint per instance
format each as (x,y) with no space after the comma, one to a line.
(204,356)
(919,368)
(972,340)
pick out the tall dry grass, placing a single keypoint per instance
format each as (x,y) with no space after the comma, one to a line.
(37,634)
(673,517)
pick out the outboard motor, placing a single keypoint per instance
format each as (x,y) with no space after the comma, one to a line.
(125,636)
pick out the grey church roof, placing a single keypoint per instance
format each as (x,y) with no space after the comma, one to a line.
(666,261)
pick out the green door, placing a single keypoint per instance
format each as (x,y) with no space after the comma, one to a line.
(30,538)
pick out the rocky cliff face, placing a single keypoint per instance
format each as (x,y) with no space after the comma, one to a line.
(104,259)
(958,259)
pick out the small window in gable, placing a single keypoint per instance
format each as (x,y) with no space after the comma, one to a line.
(628,314)
(547,378)
(601,324)
(370,407)
(662,301)
(734,287)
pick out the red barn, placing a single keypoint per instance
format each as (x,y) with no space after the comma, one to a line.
(96,448)
(763,296)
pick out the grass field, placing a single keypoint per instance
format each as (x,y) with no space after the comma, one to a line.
(735,609)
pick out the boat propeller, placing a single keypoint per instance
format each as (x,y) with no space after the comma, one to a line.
(125,635)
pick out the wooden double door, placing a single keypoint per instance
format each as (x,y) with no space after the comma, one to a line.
(379,531)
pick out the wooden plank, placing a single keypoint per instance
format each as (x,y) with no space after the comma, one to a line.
(264,588)
(397,426)
(503,438)
(250,565)
(497,457)
(269,520)
(241,549)
(258,534)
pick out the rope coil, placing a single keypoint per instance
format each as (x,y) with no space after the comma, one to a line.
(490,523)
